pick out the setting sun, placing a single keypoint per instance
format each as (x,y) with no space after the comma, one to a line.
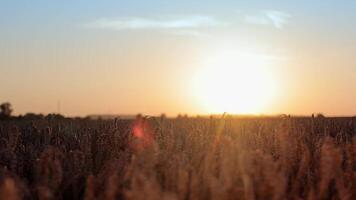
(235,82)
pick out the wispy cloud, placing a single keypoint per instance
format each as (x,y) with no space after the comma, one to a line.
(278,19)
(139,23)
(189,32)
(187,25)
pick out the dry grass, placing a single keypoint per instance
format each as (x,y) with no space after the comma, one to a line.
(185,158)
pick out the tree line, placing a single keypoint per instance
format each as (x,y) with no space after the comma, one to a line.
(6,111)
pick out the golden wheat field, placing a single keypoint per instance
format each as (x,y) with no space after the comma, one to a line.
(181,158)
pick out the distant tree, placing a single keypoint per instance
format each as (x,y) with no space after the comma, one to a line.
(33,116)
(320,116)
(53,116)
(139,116)
(5,110)
(163,116)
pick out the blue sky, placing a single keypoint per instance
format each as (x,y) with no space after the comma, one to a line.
(46,13)
(27,18)
(62,47)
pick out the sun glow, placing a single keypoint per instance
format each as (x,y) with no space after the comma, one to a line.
(236,83)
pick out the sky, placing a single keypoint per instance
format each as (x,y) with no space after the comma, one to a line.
(179,56)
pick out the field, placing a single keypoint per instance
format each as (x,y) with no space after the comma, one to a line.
(182,158)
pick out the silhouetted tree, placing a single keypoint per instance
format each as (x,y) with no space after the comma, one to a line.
(33,116)
(163,116)
(5,110)
(54,116)
(320,116)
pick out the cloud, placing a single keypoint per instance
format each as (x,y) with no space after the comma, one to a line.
(278,19)
(139,23)
(183,32)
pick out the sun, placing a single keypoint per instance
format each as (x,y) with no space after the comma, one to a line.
(234,82)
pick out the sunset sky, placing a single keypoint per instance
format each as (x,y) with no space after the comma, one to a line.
(178,56)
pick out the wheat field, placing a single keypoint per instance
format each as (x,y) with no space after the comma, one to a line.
(182,158)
